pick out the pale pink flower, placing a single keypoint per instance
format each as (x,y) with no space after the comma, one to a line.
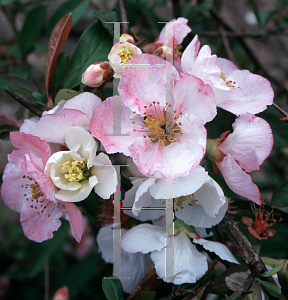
(189,264)
(172,35)
(97,73)
(237,91)
(27,190)
(54,124)
(162,140)
(242,152)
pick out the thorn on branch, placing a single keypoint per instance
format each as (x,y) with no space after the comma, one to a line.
(28,103)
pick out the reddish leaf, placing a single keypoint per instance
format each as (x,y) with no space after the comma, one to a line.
(5,120)
(58,37)
(149,283)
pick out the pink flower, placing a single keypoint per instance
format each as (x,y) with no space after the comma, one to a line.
(244,151)
(169,41)
(97,73)
(27,190)
(237,91)
(162,140)
(55,123)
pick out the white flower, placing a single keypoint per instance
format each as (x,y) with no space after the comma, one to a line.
(189,264)
(128,260)
(76,171)
(198,199)
(119,56)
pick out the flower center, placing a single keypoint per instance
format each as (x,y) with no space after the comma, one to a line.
(229,83)
(77,170)
(180,200)
(159,125)
(125,55)
(177,51)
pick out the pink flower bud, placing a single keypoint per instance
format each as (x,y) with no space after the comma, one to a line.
(97,73)
(61,294)
(127,38)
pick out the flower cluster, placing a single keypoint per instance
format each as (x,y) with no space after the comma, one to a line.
(163,111)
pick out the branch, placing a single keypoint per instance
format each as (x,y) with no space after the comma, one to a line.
(123,15)
(282,111)
(242,244)
(28,103)
(240,34)
(226,44)
(274,23)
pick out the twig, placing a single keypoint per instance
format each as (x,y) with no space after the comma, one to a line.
(226,44)
(283,112)
(242,244)
(28,103)
(274,23)
(123,15)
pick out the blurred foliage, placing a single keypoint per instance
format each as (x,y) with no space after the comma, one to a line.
(24,264)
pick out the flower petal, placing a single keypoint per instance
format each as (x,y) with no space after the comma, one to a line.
(106,176)
(145,81)
(250,143)
(40,226)
(189,263)
(76,220)
(102,127)
(143,238)
(221,250)
(189,55)
(237,180)
(186,185)
(194,97)
(53,127)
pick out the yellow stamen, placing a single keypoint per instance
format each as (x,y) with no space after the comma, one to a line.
(125,55)
(77,170)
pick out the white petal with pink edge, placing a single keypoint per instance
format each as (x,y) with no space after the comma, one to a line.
(250,143)
(238,180)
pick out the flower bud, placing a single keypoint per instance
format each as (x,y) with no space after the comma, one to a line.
(120,54)
(61,294)
(97,73)
(127,38)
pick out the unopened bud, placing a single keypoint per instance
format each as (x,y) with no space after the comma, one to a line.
(127,38)
(61,294)
(97,73)
(164,52)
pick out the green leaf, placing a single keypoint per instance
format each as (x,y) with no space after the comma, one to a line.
(94,45)
(32,28)
(147,296)
(77,7)
(21,83)
(280,196)
(65,94)
(5,85)
(108,16)
(112,288)
(253,293)
(271,288)
(274,270)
